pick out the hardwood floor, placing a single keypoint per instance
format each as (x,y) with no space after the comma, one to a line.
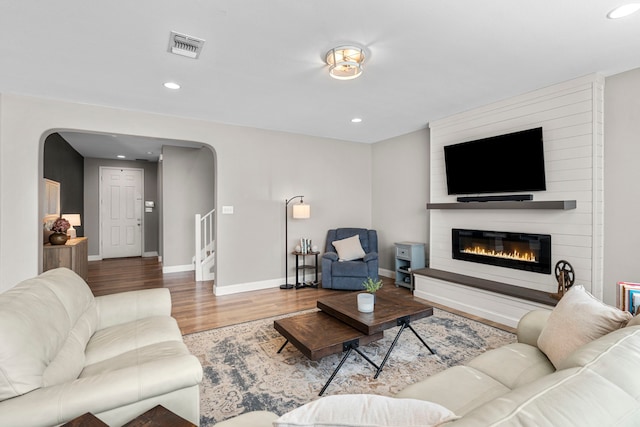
(196,308)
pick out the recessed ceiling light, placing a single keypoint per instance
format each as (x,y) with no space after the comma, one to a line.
(120,156)
(356,120)
(172,85)
(624,10)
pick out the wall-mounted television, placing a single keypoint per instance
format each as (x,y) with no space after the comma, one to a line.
(500,164)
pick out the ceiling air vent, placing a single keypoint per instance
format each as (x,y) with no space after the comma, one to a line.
(182,44)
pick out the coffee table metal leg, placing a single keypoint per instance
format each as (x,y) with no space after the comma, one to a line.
(348,346)
(420,338)
(404,323)
(344,358)
(386,356)
(282,348)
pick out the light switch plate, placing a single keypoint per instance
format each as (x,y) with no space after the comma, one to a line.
(227,210)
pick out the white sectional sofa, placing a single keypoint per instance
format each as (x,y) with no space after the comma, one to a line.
(574,366)
(64,353)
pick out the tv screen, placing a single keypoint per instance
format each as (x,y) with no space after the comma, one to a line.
(500,164)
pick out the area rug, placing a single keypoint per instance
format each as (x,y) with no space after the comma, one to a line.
(243,371)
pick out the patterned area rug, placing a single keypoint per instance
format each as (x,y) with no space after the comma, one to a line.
(243,371)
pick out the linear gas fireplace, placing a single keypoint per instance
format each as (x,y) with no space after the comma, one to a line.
(522,251)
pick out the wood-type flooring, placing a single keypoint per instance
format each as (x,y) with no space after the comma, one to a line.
(197,309)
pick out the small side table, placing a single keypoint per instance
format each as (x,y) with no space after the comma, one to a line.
(304,267)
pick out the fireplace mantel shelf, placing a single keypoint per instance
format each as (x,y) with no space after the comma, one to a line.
(489,285)
(529,204)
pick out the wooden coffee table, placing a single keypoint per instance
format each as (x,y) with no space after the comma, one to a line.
(340,327)
(388,313)
(158,416)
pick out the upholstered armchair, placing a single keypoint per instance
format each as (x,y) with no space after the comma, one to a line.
(351,255)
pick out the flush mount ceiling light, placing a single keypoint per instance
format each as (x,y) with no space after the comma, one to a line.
(624,10)
(345,62)
(172,85)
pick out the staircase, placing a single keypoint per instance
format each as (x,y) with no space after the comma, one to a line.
(204,258)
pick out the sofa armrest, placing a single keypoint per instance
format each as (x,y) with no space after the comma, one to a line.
(101,393)
(370,256)
(126,307)
(530,326)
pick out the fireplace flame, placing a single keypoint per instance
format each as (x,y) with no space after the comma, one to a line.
(515,255)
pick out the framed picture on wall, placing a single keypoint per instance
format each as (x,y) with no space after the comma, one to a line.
(51,197)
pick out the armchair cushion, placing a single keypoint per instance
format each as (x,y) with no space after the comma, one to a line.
(349,249)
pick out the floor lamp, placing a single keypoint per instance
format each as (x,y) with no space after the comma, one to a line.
(300,211)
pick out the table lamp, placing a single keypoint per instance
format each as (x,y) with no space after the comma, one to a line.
(74,219)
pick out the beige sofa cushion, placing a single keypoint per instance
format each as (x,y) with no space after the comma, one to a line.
(475,389)
(578,319)
(635,321)
(513,364)
(45,323)
(116,340)
(600,390)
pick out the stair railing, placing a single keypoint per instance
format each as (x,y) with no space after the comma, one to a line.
(205,241)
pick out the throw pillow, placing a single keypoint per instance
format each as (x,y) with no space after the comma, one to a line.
(349,249)
(360,410)
(578,318)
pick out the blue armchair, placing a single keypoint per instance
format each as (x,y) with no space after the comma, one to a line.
(349,275)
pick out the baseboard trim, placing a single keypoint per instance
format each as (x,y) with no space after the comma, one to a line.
(149,254)
(94,258)
(177,268)
(254,286)
(386,273)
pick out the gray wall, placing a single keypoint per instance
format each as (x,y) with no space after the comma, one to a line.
(400,177)
(62,163)
(92,201)
(188,188)
(257,169)
(621,180)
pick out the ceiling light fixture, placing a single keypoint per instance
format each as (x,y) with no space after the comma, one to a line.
(121,156)
(624,10)
(356,120)
(172,85)
(345,62)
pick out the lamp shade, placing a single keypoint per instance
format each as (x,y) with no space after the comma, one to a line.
(74,219)
(301,211)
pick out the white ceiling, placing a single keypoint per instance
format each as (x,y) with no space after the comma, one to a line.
(262,63)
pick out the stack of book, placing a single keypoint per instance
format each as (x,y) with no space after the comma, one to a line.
(628,297)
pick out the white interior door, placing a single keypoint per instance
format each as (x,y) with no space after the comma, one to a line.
(121,212)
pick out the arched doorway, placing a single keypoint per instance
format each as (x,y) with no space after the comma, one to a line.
(76,158)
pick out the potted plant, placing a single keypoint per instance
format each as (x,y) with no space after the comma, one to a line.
(59,228)
(372,286)
(367,300)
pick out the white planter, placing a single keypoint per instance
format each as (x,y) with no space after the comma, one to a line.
(365,302)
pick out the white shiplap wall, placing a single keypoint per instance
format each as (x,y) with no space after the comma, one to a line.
(571,116)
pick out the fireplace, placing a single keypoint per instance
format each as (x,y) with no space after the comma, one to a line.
(522,251)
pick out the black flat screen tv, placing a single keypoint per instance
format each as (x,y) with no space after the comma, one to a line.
(500,164)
